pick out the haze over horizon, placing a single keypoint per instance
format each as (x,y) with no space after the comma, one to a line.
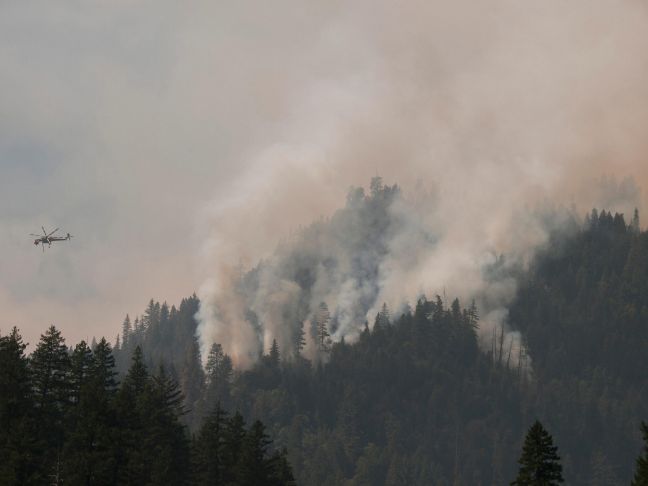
(174,142)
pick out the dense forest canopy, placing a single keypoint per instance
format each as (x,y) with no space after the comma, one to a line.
(65,419)
(413,399)
(419,378)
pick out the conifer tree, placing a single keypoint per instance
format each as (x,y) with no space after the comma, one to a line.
(127,330)
(80,364)
(322,335)
(207,451)
(299,338)
(192,380)
(50,367)
(274,357)
(131,460)
(384,316)
(18,448)
(473,315)
(103,367)
(233,441)
(165,439)
(137,377)
(214,362)
(218,373)
(539,463)
(89,452)
(253,466)
(641,474)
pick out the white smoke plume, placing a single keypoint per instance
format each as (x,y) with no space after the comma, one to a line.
(481,112)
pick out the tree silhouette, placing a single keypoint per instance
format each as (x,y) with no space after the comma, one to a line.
(539,463)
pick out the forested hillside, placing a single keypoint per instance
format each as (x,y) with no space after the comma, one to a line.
(583,309)
(415,401)
(64,419)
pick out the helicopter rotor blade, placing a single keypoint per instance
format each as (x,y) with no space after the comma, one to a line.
(53,232)
(44,232)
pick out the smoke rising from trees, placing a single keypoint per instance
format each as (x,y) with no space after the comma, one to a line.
(481,113)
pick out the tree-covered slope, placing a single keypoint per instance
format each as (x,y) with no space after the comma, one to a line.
(583,310)
(415,401)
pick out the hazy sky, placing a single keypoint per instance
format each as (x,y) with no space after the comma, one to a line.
(154,130)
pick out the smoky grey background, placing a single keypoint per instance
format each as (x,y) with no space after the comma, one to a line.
(176,141)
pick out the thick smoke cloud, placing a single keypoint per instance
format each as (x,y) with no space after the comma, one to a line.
(179,142)
(481,112)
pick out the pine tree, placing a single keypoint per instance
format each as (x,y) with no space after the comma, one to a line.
(50,367)
(151,315)
(539,463)
(192,380)
(274,357)
(214,361)
(641,474)
(299,338)
(90,449)
(131,463)
(18,447)
(165,437)
(218,374)
(254,468)
(80,364)
(207,451)
(103,367)
(233,441)
(126,331)
(322,335)
(473,315)
(137,377)
(384,316)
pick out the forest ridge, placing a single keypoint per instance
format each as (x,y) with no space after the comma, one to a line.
(413,401)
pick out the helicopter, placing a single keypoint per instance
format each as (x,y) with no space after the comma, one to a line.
(47,238)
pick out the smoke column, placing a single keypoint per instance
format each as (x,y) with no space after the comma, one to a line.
(481,112)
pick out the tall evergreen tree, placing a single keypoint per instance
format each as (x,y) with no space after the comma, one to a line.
(18,447)
(127,330)
(274,357)
(80,364)
(299,340)
(50,367)
(218,373)
(131,466)
(539,463)
(165,440)
(322,336)
(208,449)
(192,381)
(233,442)
(103,367)
(90,449)
(383,319)
(255,468)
